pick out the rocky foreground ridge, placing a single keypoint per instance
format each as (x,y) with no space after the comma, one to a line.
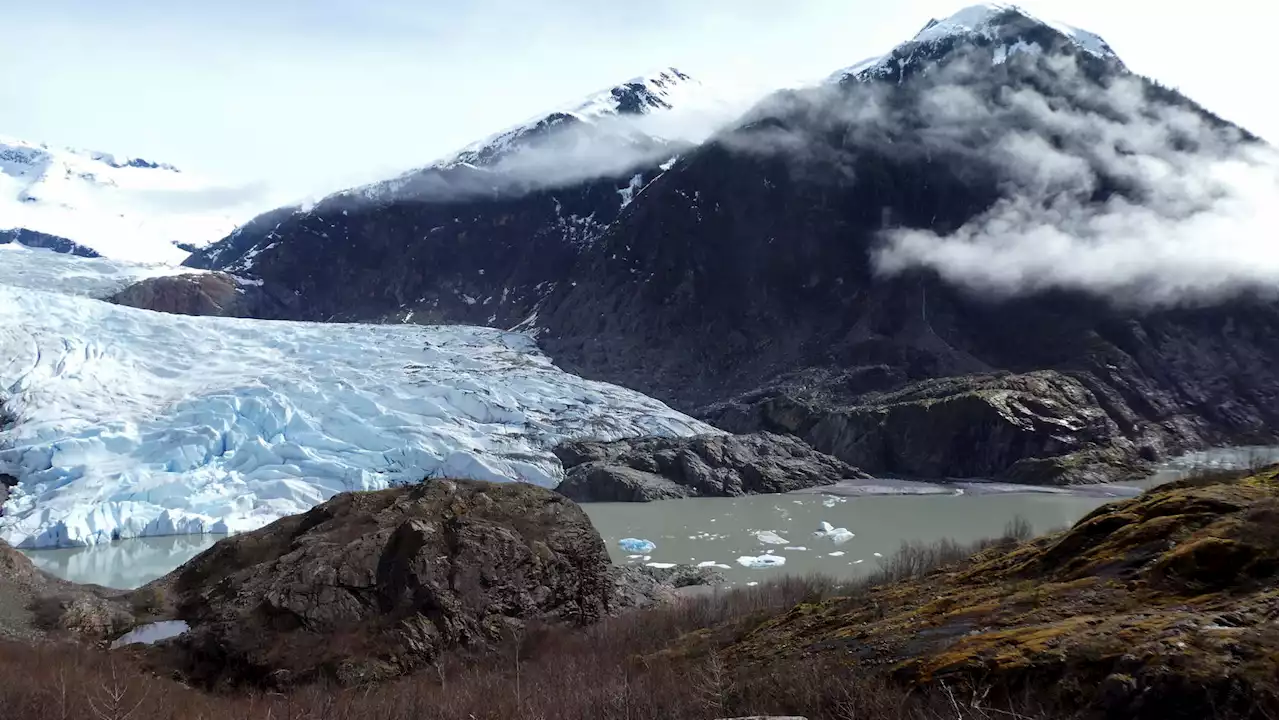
(441,600)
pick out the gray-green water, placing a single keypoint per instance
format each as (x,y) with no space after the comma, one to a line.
(881,515)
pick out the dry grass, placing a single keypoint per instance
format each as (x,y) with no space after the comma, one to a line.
(602,672)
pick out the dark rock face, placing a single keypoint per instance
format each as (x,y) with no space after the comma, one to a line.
(6,482)
(34,239)
(992,426)
(479,259)
(705,465)
(217,294)
(369,585)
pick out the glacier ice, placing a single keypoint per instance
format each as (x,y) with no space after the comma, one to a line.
(134,423)
(770,537)
(637,545)
(761,561)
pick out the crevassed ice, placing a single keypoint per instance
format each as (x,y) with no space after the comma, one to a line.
(136,423)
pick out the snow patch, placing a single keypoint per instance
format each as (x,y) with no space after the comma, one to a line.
(123,208)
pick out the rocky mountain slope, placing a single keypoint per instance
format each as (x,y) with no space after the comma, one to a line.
(977,240)
(477,238)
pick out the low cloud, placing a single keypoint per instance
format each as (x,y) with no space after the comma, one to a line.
(571,151)
(1107,189)
(1111,188)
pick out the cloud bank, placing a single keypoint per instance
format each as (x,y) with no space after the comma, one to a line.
(1110,186)
(1106,188)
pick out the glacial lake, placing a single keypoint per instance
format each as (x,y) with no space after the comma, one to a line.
(879,515)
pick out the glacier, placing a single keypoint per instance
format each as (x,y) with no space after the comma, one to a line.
(133,423)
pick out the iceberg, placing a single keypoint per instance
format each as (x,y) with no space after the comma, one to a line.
(761,561)
(637,545)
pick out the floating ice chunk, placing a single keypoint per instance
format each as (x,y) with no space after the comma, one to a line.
(151,633)
(841,536)
(838,553)
(855,562)
(770,537)
(797,548)
(832,500)
(753,583)
(713,564)
(877,554)
(824,529)
(660,565)
(637,545)
(762,561)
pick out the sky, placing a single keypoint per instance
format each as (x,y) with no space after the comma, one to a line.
(310,96)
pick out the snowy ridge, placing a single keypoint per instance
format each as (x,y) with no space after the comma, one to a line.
(664,89)
(649,95)
(134,423)
(123,208)
(985,22)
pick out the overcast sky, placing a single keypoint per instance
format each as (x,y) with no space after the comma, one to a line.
(313,95)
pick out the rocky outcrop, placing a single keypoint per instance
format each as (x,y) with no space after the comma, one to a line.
(369,585)
(36,605)
(34,239)
(655,468)
(217,294)
(6,482)
(1042,428)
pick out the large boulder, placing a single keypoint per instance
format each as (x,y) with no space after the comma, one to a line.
(654,468)
(372,584)
(214,293)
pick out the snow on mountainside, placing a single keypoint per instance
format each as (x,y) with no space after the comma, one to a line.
(627,120)
(667,89)
(123,208)
(997,24)
(133,423)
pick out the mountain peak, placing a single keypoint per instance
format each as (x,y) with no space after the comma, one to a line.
(657,91)
(14,148)
(1006,28)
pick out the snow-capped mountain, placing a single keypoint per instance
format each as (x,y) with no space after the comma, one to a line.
(118,207)
(863,263)
(496,222)
(132,423)
(656,92)
(608,132)
(1006,29)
